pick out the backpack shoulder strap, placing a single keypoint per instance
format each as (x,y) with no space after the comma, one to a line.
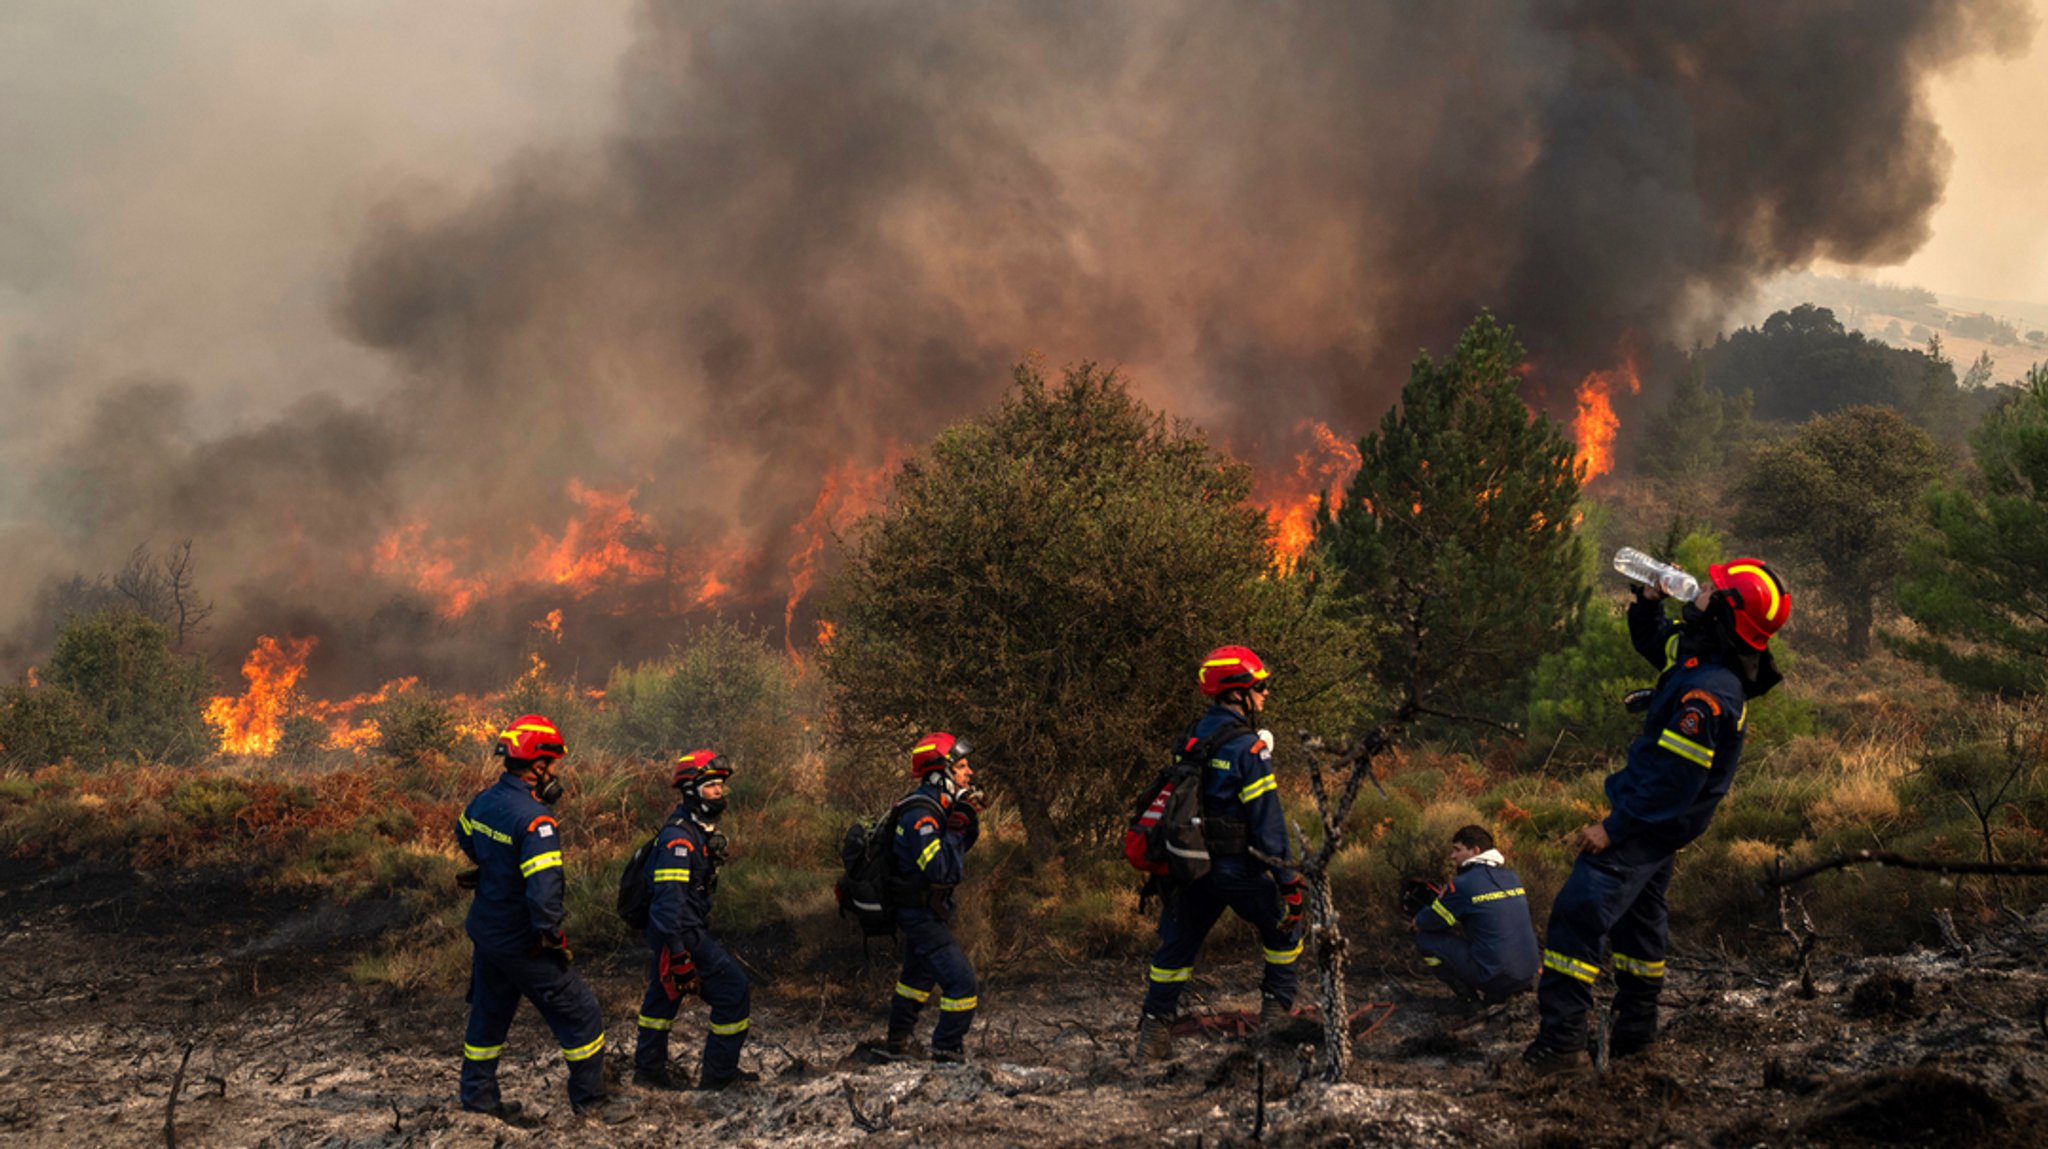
(1198,750)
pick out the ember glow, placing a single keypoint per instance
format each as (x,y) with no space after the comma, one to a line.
(1596,425)
(253,723)
(847,493)
(1322,469)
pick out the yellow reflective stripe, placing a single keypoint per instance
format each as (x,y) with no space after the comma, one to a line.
(539,862)
(482,1052)
(472,826)
(958,1004)
(1761,573)
(585,1052)
(931,851)
(1570,966)
(1432,961)
(1686,748)
(1637,966)
(1742,718)
(1448,917)
(1221,763)
(1172,974)
(926,747)
(663,1023)
(682,875)
(1671,652)
(1283,957)
(1262,786)
(913,993)
(1497,895)
(731,1027)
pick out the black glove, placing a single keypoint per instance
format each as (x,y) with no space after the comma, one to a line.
(469,878)
(962,820)
(678,974)
(1290,904)
(1416,895)
(554,944)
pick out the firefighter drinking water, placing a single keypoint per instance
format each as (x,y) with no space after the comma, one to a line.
(515,924)
(682,875)
(1241,820)
(1712,663)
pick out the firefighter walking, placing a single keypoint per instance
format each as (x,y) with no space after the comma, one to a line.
(515,924)
(682,875)
(1679,767)
(1241,819)
(936,824)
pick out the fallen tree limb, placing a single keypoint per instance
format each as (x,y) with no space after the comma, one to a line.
(1896,861)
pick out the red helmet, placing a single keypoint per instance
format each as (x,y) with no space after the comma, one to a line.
(936,751)
(1761,602)
(699,766)
(1231,668)
(529,737)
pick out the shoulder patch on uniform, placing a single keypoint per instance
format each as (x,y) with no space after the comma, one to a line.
(1690,722)
(537,823)
(1712,703)
(927,822)
(682,847)
(547,830)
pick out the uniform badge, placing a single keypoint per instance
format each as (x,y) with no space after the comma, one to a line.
(1689,723)
(547,830)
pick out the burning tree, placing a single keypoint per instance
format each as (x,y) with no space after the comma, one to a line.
(1044,582)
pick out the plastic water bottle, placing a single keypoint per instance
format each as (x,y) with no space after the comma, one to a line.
(1643,569)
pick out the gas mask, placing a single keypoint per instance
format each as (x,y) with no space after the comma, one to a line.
(704,809)
(546,787)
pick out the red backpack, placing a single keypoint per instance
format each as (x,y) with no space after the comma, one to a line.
(1165,836)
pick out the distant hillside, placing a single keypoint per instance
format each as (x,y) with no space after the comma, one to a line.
(2013,332)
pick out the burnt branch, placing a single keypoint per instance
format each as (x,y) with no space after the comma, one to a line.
(1900,862)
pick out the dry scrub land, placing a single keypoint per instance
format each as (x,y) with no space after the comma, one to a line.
(110,977)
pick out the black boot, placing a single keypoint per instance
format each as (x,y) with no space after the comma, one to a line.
(904,1045)
(1155,1039)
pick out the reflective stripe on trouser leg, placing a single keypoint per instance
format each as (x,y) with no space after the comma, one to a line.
(1449,957)
(493,998)
(1184,921)
(727,992)
(657,1018)
(1639,937)
(1600,890)
(574,1017)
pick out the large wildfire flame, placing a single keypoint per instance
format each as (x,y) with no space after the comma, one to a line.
(253,723)
(847,493)
(1322,469)
(1596,425)
(606,545)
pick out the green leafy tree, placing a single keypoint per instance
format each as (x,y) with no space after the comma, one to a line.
(1975,583)
(140,698)
(1803,362)
(1842,498)
(1044,583)
(1458,537)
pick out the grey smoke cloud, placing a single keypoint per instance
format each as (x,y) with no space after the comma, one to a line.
(813,230)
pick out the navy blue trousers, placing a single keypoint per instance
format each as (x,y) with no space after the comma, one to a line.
(1186,918)
(496,983)
(932,960)
(723,987)
(1617,895)
(1449,957)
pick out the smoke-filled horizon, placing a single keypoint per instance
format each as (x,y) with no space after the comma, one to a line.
(633,376)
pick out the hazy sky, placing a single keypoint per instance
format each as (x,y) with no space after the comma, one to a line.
(1991,232)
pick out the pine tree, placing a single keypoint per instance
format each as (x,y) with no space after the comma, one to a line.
(1458,536)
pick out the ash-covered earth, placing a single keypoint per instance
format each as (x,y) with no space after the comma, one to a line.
(114,981)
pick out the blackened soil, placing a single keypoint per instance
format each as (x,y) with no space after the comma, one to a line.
(110,982)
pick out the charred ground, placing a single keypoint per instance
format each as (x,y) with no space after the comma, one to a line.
(132,999)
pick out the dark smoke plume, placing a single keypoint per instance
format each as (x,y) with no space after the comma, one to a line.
(822,229)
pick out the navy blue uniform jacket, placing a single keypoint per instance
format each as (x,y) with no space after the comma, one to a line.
(1238,785)
(1683,762)
(517,849)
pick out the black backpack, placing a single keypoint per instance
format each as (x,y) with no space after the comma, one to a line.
(636,890)
(1166,837)
(864,889)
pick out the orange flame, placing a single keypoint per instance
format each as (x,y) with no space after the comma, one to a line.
(253,723)
(1595,427)
(1321,469)
(551,625)
(33,681)
(847,493)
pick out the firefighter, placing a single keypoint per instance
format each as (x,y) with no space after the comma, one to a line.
(1679,767)
(1245,831)
(682,876)
(1476,935)
(515,923)
(936,824)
